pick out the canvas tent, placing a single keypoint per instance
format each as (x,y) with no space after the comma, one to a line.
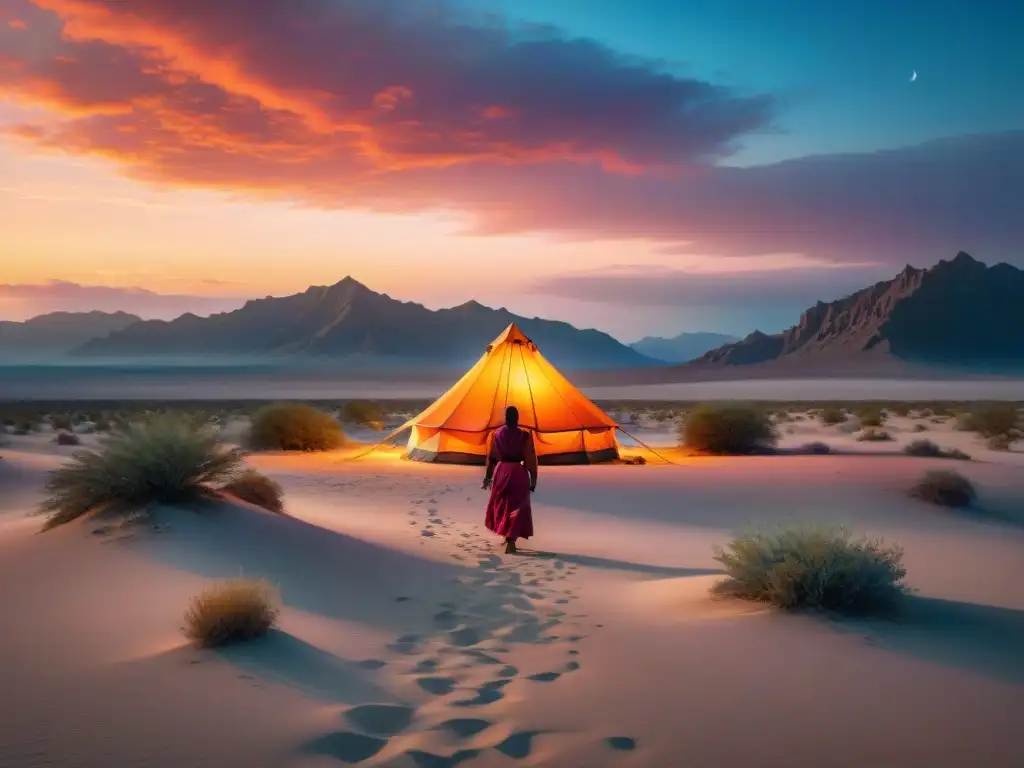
(567,427)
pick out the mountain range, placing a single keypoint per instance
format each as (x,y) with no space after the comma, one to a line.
(57,333)
(681,348)
(349,323)
(959,313)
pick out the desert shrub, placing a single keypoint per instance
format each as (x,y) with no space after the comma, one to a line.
(816,449)
(67,438)
(1000,442)
(231,612)
(929,450)
(920,428)
(832,416)
(635,460)
(874,436)
(162,461)
(62,421)
(899,409)
(256,488)
(870,416)
(945,488)
(817,568)
(990,420)
(294,427)
(727,429)
(363,413)
(26,428)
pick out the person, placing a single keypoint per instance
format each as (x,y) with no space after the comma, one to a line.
(511,476)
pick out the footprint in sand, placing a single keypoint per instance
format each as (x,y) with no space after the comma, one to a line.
(621,743)
(465,727)
(435,521)
(438,686)
(426,533)
(464,637)
(484,696)
(346,746)
(519,745)
(446,619)
(372,664)
(425,667)
(381,719)
(406,644)
(429,760)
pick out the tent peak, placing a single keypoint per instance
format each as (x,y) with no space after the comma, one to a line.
(511,335)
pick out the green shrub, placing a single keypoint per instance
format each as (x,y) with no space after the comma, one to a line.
(814,568)
(256,488)
(929,450)
(727,429)
(363,414)
(232,612)
(832,416)
(163,461)
(294,427)
(945,488)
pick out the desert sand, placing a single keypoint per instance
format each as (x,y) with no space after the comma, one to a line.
(407,639)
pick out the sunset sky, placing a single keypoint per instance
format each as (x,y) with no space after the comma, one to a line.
(640,166)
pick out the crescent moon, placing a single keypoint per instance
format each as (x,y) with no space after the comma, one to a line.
(913,76)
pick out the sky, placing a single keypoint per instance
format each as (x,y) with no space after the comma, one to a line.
(639,166)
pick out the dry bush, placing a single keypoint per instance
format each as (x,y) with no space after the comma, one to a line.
(920,428)
(870,416)
(256,488)
(945,488)
(929,450)
(728,429)
(62,422)
(832,416)
(364,414)
(635,460)
(874,436)
(1000,442)
(163,461)
(232,612)
(67,438)
(294,427)
(817,568)
(990,420)
(816,449)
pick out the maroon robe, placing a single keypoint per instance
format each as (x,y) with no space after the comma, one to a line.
(508,509)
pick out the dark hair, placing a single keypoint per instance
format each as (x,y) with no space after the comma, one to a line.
(512,416)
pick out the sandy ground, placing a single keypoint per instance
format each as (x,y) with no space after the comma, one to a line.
(408,640)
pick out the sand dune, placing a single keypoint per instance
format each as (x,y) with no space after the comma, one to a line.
(408,640)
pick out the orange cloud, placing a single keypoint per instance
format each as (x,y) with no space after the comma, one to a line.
(17,24)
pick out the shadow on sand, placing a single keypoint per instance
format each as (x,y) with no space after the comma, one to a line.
(983,639)
(621,565)
(317,570)
(286,660)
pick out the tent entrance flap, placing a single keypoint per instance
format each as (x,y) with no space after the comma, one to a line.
(568,428)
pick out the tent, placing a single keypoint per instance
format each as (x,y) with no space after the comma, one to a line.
(567,427)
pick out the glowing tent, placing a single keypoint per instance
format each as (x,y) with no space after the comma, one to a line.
(567,427)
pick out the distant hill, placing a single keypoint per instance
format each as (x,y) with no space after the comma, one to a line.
(681,348)
(348,322)
(57,333)
(959,313)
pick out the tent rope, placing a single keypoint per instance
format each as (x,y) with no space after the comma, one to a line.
(644,445)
